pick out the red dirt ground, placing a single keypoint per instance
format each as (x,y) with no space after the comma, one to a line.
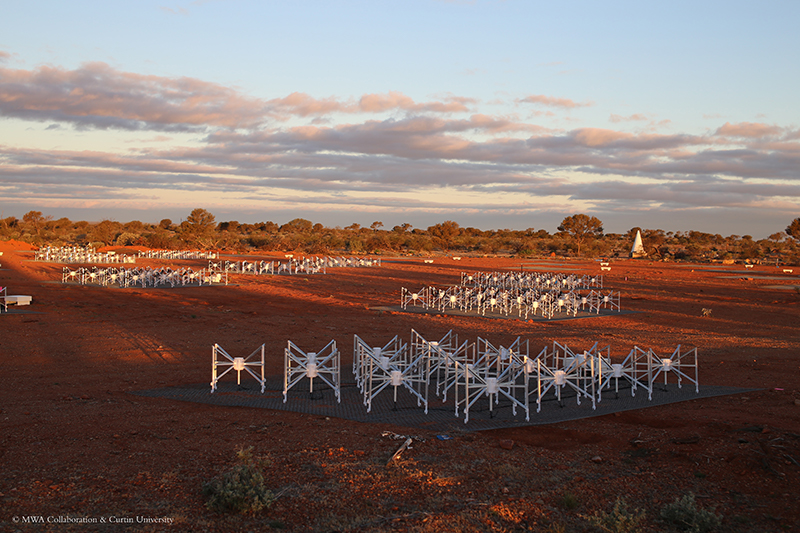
(76,443)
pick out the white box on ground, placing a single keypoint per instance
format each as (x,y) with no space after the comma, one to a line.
(18,299)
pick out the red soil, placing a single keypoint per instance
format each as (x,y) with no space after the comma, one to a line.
(75,441)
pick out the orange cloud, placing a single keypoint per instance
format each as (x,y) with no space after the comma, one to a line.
(381,102)
(551,101)
(396,100)
(748,129)
(594,137)
(302,104)
(620,118)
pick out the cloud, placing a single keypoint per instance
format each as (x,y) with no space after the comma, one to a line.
(631,118)
(304,105)
(375,149)
(592,151)
(550,101)
(693,193)
(96,95)
(748,129)
(4,56)
(594,137)
(372,103)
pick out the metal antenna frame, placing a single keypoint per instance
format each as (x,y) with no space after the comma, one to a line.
(496,372)
(572,372)
(324,364)
(675,365)
(633,369)
(415,298)
(221,359)
(396,366)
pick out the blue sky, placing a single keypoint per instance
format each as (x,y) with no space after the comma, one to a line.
(495,114)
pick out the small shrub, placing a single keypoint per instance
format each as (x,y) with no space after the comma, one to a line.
(240,490)
(557,528)
(127,239)
(684,514)
(620,519)
(569,501)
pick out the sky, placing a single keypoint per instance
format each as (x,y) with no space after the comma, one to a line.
(492,113)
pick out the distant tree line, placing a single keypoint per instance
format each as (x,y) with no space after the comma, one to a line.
(577,236)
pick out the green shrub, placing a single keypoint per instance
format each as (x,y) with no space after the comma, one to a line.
(569,501)
(620,519)
(240,490)
(684,514)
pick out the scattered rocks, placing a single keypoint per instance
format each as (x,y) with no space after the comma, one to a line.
(507,444)
(597,459)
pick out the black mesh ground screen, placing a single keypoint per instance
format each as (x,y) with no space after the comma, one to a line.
(441,416)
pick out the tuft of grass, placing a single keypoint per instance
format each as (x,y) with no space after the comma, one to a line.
(619,520)
(240,490)
(685,515)
(569,501)
(557,527)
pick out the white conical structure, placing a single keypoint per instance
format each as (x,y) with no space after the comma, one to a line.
(638,248)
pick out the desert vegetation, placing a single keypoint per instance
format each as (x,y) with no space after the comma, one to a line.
(577,236)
